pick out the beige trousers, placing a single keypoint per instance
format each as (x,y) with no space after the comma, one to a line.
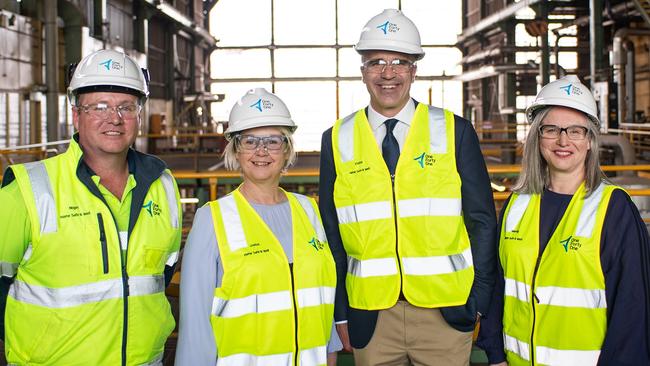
(409,335)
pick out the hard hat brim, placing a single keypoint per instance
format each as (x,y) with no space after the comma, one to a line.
(388,45)
(559,102)
(268,122)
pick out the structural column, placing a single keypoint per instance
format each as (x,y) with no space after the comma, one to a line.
(51,69)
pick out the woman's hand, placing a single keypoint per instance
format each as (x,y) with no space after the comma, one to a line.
(342,330)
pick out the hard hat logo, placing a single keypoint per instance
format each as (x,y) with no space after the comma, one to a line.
(571,89)
(110,64)
(262,104)
(388,27)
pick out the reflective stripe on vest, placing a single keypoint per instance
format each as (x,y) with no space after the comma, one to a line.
(157,361)
(253,304)
(168,183)
(517,211)
(571,297)
(84,294)
(313,356)
(437,265)
(282,359)
(437,128)
(429,207)
(557,296)
(43,196)
(587,219)
(313,217)
(315,296)
(8,269)
(364,212)
(274,301)
(550,356)
(172,258)
(521,348)
(309,357)
(411,265)
(372,267)
(232,223)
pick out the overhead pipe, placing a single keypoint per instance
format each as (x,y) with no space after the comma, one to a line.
(619,60)
(595,39)
(51,70)
(630,88)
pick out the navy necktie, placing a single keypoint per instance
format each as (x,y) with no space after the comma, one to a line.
(390,147)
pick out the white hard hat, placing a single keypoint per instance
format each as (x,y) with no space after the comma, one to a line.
(108,71)
(258,108)
(565,92)
(391,30)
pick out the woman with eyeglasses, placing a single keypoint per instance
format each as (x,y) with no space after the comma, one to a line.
(573,249)
(258,278)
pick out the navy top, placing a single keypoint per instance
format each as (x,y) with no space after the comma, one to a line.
(624,256)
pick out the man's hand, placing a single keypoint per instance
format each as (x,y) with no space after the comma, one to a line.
(504,363)
(342,330)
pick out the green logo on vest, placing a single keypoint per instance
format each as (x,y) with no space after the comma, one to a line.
(425,159)
(152,208)
(565,243)
(317,244)
(571,243)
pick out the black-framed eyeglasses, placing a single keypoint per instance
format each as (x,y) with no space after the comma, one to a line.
(270,143)
(573,132)
(378,66)
(103,110)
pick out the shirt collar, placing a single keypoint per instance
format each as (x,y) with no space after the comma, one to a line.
(376,119)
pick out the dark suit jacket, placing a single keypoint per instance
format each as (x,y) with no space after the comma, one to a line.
(480,220)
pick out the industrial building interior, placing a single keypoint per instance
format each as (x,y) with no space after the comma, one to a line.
(504,51)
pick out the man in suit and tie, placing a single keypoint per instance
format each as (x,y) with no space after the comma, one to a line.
(406,202)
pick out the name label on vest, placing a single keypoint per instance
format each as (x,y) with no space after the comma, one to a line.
(73,211)
(251,250)
(359,166)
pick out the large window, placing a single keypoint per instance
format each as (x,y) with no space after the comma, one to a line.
(303,51)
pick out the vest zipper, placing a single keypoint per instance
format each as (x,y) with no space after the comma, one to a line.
(125,289)
(295,315)
(535,300)
(399,264)
(102,242)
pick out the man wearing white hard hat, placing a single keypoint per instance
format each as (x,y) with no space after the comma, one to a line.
(88,238)
(407,206)
(258,276)
(573,249)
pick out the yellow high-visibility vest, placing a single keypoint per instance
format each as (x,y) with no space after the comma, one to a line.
(72,301)
(265,313)
(407,235)
(555,310)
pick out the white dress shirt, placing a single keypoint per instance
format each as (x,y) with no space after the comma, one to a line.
(405,116)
